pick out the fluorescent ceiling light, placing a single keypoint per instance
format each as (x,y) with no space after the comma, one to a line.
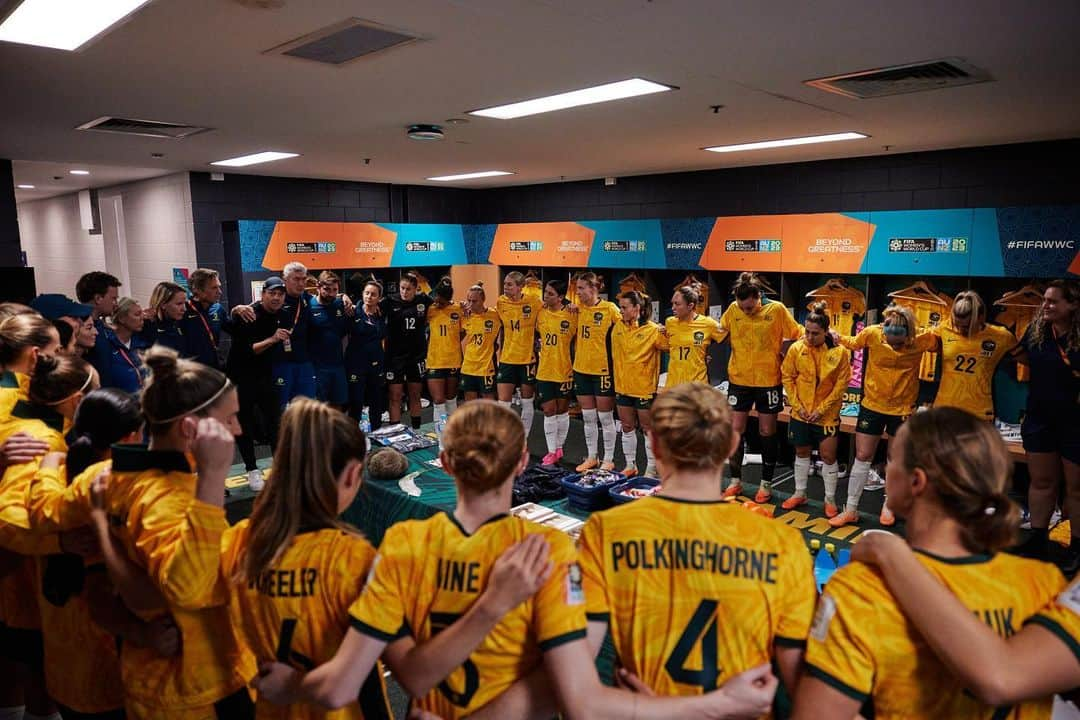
(586,96)
(25,187)
(765,144)
(79,172)
(64,24)
(263,157)
(470,176)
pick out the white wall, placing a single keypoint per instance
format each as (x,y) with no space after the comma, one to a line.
(56,246)
(155,234)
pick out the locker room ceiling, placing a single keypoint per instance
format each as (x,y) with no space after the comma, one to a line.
(203,62)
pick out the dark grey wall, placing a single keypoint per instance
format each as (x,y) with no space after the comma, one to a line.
(1024,174)
(10,248)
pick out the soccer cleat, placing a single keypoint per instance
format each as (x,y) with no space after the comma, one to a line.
(609,466)
(589,464)
(874,481)
(762,496)
(559,453)
(793,502)
(831,510)
(255,480)
(629,471)
(550,459)
(848,517)
(887,518)
(733,490)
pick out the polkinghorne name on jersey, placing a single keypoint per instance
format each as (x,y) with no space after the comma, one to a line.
(694,554)
(295,582)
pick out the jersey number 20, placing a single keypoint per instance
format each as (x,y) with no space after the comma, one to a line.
(701,629)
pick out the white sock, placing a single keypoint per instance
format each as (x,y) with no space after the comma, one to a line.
(12,713)
(607,424)
(802,475)
(588,419)
(564,428)
(439,411)
(860,472)
(551,432)
(629,447)
(451,406)
(829,474)
(506,403)
(650,459)
(528,411)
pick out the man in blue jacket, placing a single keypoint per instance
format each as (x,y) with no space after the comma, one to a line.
(203,317)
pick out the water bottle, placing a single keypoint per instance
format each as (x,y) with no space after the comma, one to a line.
(365,427)
(440,425)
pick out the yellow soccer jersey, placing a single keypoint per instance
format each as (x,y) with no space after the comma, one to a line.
(815,379)
(967,368)
(695,592)
(13,387)
(1062,617)
(756,341)
(82,661)
(557,329)
(928,316)
(688,342)
(421,593)
(594,323)
(444,340)
(843,304)
(635,353)
(298,612)
(890,377)
(519,329)
(177,540)
(481,331)
(861,644)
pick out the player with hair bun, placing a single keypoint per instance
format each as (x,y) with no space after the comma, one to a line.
(636,344)
(593,384)
(517,359)
(482,331)
(445,330)
(556,327)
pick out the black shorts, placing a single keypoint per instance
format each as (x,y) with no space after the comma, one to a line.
(443,373)
(406,370)
(803,434)
(634,402)
(548,390)
(484,385)
(24,646)
(1047,436)
(516,374)
(593,385)
(871,422)
(767,400)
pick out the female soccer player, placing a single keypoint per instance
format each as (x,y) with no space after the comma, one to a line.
(593,385)
(170,525)
(25,336)
(685,575)
(412,596)
(948,476)
(406,366)
(816,374)
(890,390)
(445,320)
(557,327)
(294,568)
(365,357)
(758,334)
(970,353)
(168,303)
(517,358)
(124,369)
(689,335)
(636,344)
(482,329)
(1051,428)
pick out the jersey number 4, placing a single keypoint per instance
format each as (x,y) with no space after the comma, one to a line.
(462,698)
(701,630)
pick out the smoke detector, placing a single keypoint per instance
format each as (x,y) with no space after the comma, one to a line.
(425,132)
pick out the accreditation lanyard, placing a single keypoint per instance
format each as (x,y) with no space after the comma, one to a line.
(1064,355)
(206,325)
(129,361)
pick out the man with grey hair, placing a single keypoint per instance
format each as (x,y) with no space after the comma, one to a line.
(294,373)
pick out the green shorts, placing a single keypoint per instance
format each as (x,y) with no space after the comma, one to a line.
(548,390)
(871,422)
(803,434)
(517,374)
(442,373)
(485,385)
(593,385)
(634,402)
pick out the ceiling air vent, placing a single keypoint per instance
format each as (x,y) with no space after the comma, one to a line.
(901,79)
(344,42)
(145,128)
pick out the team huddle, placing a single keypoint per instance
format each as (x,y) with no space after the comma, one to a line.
(124,592)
